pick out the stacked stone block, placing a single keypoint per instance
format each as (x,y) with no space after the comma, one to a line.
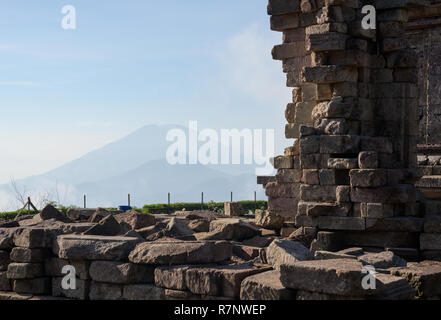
(430,240)
(430,187)
(102,267)
(5,283)
(354,115)
(233,209)
(37,259)
(195,270)
(423,34)
(40,260)
(54,267)
(339,279)
(30,251)
(26,273)
(117,267)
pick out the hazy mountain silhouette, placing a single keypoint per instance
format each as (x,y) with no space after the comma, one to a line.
(143,145)
(136,164)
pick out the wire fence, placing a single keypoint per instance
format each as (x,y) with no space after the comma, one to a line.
(203,205)
(250,206)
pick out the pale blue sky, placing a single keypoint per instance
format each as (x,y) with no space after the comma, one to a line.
(129,63)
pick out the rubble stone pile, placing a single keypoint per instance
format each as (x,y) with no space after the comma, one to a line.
(133,256)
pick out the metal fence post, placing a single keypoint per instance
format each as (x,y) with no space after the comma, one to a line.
(202,201)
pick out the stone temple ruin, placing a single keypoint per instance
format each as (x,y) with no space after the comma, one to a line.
(358,194)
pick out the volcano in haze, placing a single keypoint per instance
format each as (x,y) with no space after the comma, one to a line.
(136,165)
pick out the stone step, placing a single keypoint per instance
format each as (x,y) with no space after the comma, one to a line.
(265,286)
(175,253)
(342,277)
(430,186)
(89,247)
(317,209)
(209,280)
(424,277)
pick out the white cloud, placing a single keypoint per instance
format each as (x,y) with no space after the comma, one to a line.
(22,84)
(249,67)
(46,191)
(7,202)
(88,124)
(249,72)
(7,46)
(24,155)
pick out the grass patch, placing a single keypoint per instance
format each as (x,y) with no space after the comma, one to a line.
(249,206)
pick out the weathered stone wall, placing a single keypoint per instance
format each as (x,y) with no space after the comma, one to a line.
(355,113)
(424,33)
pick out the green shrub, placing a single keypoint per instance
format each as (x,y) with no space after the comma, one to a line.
(13,214)
(190,206)
(249,206)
